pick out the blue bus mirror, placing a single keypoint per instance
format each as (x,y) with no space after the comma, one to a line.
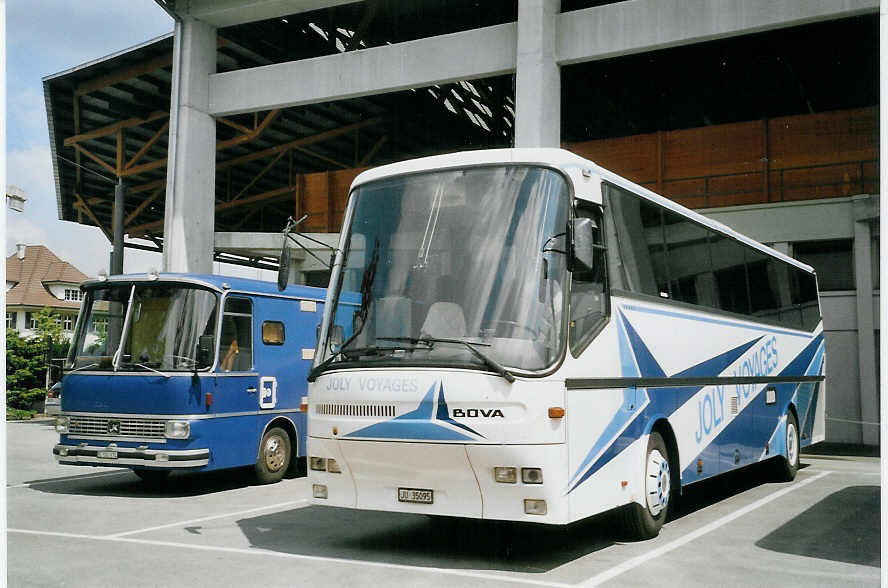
(206,344)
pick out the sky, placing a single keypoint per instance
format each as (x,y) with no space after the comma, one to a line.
(45,37)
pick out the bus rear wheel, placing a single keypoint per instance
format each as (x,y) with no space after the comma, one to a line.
(789,465)
(644,522)
(274,456)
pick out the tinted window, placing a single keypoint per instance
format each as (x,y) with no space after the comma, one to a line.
(639,231)
(832,260)
(728,263)
(689,266)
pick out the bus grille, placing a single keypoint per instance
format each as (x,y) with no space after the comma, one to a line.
(94,426)
(359,410)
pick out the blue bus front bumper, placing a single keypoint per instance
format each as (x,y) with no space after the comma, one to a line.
(111,455)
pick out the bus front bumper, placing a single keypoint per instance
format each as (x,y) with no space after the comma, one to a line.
(110,455)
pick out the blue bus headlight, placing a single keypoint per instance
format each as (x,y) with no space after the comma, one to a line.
(177,430)
(61,425)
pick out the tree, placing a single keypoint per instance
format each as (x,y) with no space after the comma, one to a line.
(25,362)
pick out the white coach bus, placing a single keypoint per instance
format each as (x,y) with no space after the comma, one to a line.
(522,335)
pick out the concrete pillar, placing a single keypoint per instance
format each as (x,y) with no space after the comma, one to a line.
(117,227)
(189,216)
(866,339)
(537,76)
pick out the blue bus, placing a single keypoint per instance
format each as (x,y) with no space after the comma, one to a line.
(189,372)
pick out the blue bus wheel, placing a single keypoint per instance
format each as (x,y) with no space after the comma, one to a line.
(274,456)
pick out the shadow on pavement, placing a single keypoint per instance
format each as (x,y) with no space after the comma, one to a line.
(843,527)
(426,541)
(127,484)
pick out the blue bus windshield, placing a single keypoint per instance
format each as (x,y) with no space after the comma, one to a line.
(167,327)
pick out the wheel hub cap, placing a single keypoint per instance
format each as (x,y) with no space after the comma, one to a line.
(657,482)
(274,453)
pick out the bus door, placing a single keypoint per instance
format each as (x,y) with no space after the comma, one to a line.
(238,385)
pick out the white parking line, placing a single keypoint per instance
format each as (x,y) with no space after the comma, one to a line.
(303,502)
(69,479)
(590,582)
(663,549)
(253,552)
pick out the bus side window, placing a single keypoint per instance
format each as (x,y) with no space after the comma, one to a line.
(236,341)
(589,300)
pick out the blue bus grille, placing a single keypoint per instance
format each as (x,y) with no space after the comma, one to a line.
(95,426)
(358,410)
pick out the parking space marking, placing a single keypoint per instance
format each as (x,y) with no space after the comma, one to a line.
(303,502)
(69,479)
(663,549)
(252,552)
(588,583)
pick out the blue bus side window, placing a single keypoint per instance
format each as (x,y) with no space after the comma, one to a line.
(273,332)
(236,341)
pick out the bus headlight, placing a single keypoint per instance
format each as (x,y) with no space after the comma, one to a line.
(317,463)
(505,475)
(177,430)
(61,425)
(333,467)
(532,475)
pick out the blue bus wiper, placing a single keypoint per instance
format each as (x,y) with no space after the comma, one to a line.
(142,365)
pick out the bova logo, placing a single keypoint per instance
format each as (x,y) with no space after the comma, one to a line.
(474,413)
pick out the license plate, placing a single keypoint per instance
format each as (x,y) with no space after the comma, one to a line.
(107,454)
(415,495)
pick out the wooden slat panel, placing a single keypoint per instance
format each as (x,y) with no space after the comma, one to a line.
(634,157)
(736,190)
(717,150)
(821,182)
(690,193)
(825,138)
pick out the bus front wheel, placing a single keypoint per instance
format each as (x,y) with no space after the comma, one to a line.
(789,465)
(644,522)
(274,456)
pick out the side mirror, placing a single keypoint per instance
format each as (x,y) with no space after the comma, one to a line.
(583,244)
(283,277)
(206,345)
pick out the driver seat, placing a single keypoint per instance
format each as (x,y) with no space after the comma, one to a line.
(445,320)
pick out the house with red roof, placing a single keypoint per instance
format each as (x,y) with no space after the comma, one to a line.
(35,279)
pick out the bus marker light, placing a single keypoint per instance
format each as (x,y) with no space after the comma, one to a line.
(319,490)
(63,451)
(532,475)
(556,412)
(534,506)
(333,467)
(505,475)
(318,463)
(161,457)
(335,430)
(303,405)
(208,399)
(624,483)
(699,466)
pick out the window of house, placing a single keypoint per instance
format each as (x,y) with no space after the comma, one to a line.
(100,325)
(10,320)
(68,322)
(30,321)
(73,294)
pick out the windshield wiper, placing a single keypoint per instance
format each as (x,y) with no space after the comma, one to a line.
(148,367)
(470,345)
(84,367)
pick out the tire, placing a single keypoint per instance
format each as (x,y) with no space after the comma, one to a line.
(788,466)
(274,456)
(153,478)
(644,522)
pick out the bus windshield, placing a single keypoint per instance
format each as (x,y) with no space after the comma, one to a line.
(151,327)
(456,268)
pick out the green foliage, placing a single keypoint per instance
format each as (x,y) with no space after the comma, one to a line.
(48,325)
(17,414)
(25,362)
(22,399)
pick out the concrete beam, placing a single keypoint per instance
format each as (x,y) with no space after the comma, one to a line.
(269,244)
(224,13)
(478,53)
(636,26)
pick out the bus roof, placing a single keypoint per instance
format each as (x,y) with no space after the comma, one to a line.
(217,283)
(564,160)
